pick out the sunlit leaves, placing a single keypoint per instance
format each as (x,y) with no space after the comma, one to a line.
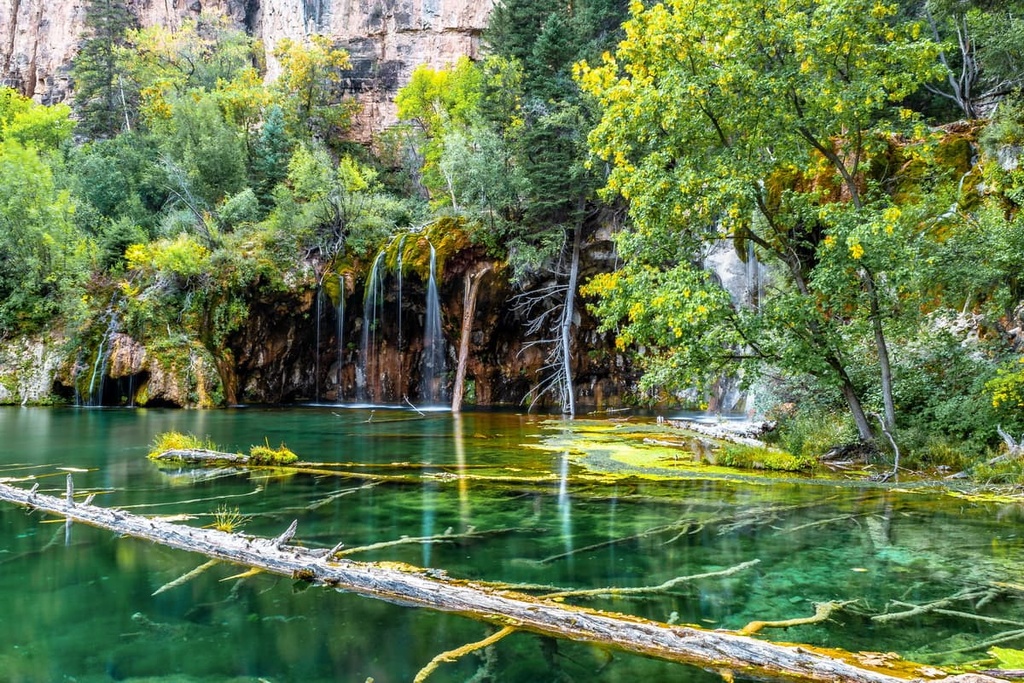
(773,126)
(42,256)
(311,84)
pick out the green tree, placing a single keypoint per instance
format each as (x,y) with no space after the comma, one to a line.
(312,88)
(982,51)
(270,155)
(771,127)
(43,258)
(438,102)
(334,209)
(104,99)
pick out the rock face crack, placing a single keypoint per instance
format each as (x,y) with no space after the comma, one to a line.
(12,24)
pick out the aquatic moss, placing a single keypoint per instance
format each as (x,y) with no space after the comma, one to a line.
(176,441)
(265,455)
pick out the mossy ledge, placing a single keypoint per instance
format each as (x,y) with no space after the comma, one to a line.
(178,447)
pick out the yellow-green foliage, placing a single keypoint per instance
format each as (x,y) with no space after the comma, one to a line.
(761,458)
(176,441)
(1007,387)
(265,455)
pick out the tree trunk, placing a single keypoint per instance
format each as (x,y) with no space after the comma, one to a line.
(568,312)
(472,287)
(717,650)
(882,348)
(857,410)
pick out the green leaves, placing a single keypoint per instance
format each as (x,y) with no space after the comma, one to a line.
(770,125)
(42,256)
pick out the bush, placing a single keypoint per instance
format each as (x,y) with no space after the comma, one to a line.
(760,458)
(811,434)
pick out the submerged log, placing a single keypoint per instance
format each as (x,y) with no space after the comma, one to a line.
(406,585)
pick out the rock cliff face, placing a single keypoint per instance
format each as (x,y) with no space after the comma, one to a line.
(386,39)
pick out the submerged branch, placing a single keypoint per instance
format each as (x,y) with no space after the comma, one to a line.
(918,610)
(822,612)
(438,538)
(660,588)
(186,577)
(459,652)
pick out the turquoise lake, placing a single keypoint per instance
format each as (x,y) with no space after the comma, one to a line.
(79,603)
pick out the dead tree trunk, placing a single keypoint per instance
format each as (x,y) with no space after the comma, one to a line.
(713,649)
(568,313)
(472,281)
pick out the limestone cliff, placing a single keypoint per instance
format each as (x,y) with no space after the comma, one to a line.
(386,39)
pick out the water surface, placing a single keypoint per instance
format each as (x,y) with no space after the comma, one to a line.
(79,604)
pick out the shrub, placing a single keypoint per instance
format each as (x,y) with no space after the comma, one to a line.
(760,458)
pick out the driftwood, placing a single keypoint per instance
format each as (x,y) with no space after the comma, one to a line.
(403,584)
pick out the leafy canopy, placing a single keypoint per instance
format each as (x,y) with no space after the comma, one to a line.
(771,126)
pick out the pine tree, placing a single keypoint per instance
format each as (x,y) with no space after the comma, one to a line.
(104,101)
(270,155)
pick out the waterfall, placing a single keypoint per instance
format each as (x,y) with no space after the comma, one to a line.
(316,353)
(340,310)
(99,367)
(373,304)
(401,244)
(381,371)
(755,279)
(433,340)
(743,276)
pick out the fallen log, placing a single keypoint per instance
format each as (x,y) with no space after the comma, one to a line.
(411,586)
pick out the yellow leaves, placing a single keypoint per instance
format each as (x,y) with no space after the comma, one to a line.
(137,256)
(601,285)
(856,250)
(891,217)
(830,241)
(881,10)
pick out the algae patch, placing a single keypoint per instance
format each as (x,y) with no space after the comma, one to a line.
(658,451)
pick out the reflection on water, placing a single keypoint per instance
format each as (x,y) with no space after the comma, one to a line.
(83,607)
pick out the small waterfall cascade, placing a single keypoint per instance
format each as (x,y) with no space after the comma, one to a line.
(398,273)
(433,340)
(743,275)
(373,310)
(340,328)
(94,396)
(403,349)
(754,276)
(316,353)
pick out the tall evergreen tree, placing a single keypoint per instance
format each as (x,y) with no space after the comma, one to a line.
(104,101)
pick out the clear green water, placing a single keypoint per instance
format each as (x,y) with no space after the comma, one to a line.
(81,607)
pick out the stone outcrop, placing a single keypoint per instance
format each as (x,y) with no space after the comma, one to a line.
(28,370)
(386,39)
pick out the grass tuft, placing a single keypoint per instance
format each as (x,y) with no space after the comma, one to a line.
(176,441)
